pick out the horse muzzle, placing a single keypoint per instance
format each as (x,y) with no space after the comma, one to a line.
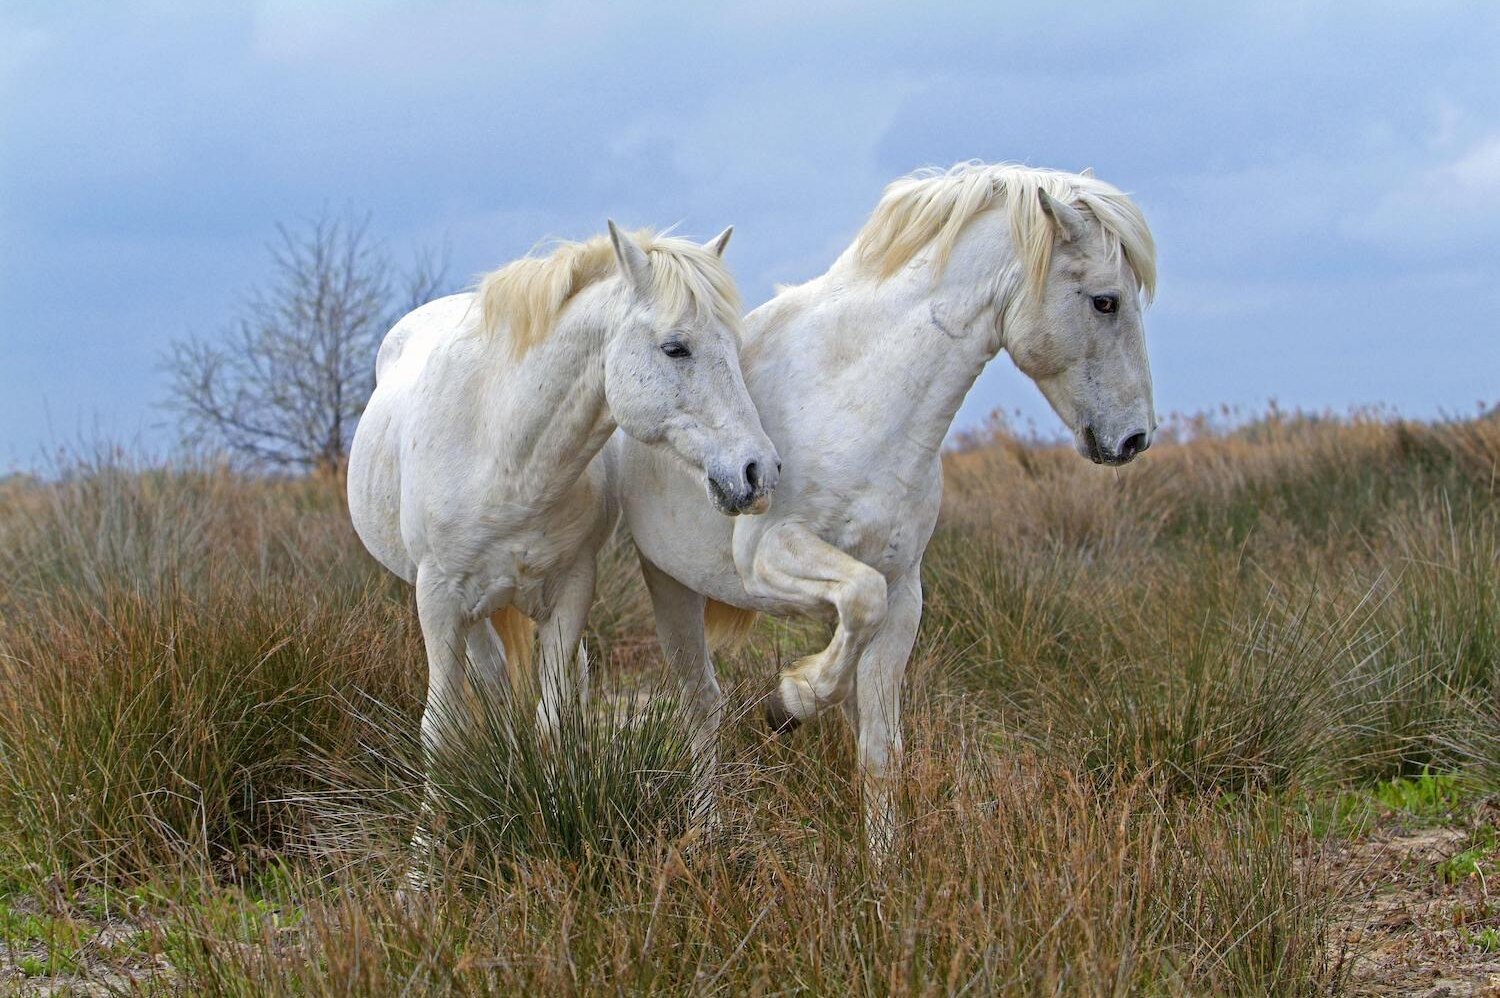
(747,490)
(1117,453)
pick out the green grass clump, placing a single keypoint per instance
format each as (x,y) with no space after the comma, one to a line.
(1476,859)
(1427,798)
(43,945)
(1427,795)
(1486,939)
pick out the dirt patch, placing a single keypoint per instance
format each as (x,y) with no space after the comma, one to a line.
(1421,915)
(62,950)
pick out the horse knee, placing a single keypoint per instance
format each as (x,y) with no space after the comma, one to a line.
(863,608)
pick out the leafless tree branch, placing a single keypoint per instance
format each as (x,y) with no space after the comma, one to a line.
(285,382)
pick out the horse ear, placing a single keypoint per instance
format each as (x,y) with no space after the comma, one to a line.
(1070,224)
(1087,171)
(717,243)
(633,261)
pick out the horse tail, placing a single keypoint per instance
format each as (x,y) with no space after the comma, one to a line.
(516,631)
(728,626)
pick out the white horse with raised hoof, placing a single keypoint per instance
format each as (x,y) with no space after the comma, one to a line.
(470,475)
(857,375)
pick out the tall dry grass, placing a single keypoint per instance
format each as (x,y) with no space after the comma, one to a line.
(1127,691)
(1321,589)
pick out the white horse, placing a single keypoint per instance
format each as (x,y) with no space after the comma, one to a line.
(469,474)
(857,376)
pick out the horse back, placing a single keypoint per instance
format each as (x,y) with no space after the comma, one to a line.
(412,337)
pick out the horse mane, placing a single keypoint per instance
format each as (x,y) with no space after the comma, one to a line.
(931,207)
(527,296)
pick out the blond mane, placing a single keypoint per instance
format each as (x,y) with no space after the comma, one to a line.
(526,296)
(931,207)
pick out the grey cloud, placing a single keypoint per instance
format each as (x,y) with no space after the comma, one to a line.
(1285,156)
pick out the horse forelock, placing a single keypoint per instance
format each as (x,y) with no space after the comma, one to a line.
(526,297)
(931,207)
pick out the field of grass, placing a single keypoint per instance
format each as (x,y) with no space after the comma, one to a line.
(1198,726)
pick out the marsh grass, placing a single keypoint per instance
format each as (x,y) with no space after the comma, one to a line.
(1013,878)
(1139,704)
(613,780)
(1242,710)
(140,729)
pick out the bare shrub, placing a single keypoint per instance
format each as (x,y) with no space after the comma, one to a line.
(285,383)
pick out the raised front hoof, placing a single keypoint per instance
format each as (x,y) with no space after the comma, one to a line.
(780,720)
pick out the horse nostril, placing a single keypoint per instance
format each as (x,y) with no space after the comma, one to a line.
(752,475)
(1091,444)
(1133,445)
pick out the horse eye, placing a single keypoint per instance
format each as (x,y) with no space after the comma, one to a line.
(1106,303)
(676,349)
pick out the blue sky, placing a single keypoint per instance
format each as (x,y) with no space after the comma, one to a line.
(1324,184)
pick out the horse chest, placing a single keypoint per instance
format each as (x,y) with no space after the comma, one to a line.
(878,534)
(886,525)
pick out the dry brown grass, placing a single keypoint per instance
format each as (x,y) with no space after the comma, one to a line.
(1138,703)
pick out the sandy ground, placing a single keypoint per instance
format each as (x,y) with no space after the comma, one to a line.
(1406,928)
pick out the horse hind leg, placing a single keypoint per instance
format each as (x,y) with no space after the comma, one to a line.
(793,564)
(447,645)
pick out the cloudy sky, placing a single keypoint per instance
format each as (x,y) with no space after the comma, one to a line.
(1324,187)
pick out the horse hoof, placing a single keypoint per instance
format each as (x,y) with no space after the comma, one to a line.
(781,720)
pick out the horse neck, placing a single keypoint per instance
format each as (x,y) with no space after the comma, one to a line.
(550,416)
(924,343)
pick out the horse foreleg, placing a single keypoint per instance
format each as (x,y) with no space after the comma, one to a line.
(679,629)
(876,709)
(561,631)
(792,564)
